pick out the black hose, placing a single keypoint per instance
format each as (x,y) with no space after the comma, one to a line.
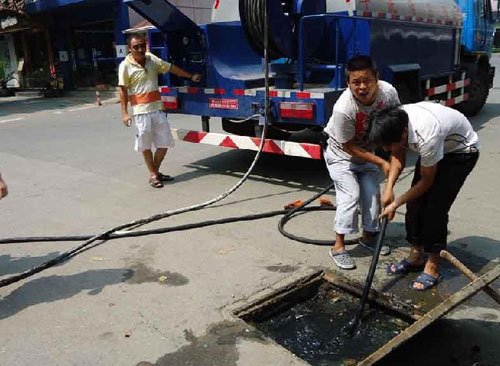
(163,230)
(288,216)
(253,15)
(369,278)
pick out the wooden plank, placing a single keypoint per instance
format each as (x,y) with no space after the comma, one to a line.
(430,317)
(495,295)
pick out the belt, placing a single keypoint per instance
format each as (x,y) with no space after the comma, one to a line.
(145,98)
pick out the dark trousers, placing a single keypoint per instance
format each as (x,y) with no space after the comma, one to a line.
(427,216)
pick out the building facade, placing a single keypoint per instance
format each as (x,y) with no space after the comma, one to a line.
(71,44)
(67,43)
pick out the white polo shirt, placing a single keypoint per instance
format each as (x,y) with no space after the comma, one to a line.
(142,82)
(435,130)
(350,119)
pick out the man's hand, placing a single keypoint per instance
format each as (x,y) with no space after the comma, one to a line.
(389,211)
(196,78)
(3,189)
(127,120)
(387,197)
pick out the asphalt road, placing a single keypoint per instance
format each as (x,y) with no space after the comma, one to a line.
(71,169)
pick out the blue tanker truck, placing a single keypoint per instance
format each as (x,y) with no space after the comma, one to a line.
(428,49)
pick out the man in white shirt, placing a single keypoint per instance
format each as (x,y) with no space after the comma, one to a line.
(448,149)
(350,160)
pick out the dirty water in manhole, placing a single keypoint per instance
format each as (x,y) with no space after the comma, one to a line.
(313,323)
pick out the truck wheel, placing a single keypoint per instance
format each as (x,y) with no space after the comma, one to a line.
(478,92)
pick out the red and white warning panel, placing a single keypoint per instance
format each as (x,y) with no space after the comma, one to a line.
(304,150)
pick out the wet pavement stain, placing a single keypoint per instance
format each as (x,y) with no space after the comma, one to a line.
(216,347)
(140,273)
(282,268)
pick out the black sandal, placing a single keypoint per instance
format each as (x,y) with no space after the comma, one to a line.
(155,183)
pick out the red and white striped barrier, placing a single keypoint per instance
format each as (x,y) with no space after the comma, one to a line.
(453,101)
(303,150)
(447,88)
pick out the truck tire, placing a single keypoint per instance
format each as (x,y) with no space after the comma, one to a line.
(478,91)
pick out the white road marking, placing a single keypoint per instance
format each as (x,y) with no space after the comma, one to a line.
(11,120)
(80,108)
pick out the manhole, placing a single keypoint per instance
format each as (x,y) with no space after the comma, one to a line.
(310,318)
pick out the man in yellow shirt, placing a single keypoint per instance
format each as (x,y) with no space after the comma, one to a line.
(138,80)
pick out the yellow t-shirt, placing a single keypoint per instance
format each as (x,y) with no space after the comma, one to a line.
(142,82)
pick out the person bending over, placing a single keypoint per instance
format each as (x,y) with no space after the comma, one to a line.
(448,150)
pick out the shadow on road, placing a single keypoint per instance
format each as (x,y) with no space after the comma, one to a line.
(55,288)
(489,111)
(450,342)
(287,171)
(10,265)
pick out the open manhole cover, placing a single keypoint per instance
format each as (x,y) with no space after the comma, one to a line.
(311,316)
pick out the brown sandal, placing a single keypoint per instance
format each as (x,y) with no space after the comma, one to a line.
(155,183)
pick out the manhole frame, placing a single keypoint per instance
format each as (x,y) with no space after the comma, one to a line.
(267,301)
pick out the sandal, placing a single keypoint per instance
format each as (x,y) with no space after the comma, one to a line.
(164,177)
(425,280)
(403,267)
(155,183)
(342,259)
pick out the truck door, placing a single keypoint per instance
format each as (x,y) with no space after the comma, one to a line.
(483,32)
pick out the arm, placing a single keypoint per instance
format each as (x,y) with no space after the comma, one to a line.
(351,148)
(427,175)
(184,74)
(124,101)
(397,163)
(3,188)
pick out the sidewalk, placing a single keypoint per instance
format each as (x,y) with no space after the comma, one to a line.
(27,103)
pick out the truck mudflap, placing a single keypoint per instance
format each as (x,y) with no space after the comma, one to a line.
(303,150)
(491,75)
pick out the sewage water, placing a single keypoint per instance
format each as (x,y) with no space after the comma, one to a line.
(315,329)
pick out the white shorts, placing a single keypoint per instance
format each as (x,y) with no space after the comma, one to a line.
(152,128)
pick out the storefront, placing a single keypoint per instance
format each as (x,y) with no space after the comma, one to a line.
(66,43)
(86,38)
